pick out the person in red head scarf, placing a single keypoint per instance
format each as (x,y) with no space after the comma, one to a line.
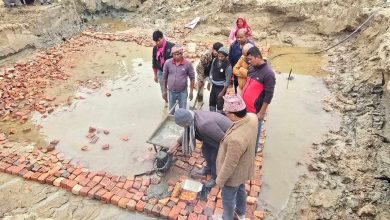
(240,23)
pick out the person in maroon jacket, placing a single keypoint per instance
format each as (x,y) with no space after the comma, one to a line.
(259,87)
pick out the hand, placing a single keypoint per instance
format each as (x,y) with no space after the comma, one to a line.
(164,96)
(220,95)
(191,96)
(200,85)
(260,116)
(173,148)
(156,78)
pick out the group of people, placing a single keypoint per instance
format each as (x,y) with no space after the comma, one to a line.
(230,131)
(13,3)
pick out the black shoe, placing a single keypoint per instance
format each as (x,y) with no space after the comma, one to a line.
(204,171)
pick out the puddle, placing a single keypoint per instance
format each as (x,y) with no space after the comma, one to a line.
(107,24)
(296,120)
(306,64)
(134,109)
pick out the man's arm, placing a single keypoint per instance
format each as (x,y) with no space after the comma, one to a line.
(154,64)
(191,75)
(228,77)
(200,69)
(165,82)
(234,152)
(269,87)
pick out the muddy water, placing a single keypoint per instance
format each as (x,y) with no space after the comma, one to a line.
(134,109)
(296,120)
(297,59)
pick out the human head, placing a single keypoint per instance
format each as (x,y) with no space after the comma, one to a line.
(222,53)
(177,53)
(234,107)
(241,36)
(183,117)
(254,56)
(246,47)
(157,38)
(216,47)
(240,22)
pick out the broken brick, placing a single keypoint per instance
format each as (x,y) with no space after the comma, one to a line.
(156,210)
(115,199)
(58,181)
(105,146)
(140,206)
(106,198)
(123,202)
(131,205)
(165,212)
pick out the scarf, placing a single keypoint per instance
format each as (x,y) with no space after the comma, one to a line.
(189,141)
(160,52)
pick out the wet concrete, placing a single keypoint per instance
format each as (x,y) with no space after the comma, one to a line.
(134,109)
(296,120)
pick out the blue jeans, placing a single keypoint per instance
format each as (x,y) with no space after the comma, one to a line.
(210,153)
(233,199)
(258,134)
(181,97)
(160,79)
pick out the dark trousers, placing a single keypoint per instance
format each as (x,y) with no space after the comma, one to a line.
(233,200)
(235,84)
(214,100)
(210,153)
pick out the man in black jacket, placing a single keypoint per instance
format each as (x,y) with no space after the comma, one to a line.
(161,53)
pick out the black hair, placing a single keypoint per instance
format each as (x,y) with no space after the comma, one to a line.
(217,45)
(157,35)
(255,51)
(240,114)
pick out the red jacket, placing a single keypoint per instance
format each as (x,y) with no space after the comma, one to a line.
(259,87)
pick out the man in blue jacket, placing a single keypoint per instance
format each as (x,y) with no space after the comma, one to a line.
(235,51)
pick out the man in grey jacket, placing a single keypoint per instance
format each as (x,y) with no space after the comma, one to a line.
(210,127)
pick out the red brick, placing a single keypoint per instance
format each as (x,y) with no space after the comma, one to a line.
(115,199)
(42,178)
(140,206)
(28,175)
(202,217)
(128,184)
(208,211)
(192,216)
(77,171)
(84,191)
(18,168)
(106,198)
(156,210)
(138,196)
(218,211)
(146,181)
(115,190)
(143,189)
(184,212)
(99,194)
(129,195)
(219,204)
(110,186)
(123,202)
(182,204)
(214,191)
(171,204)
(181,217)
(91,193)
(35,176)
(105,181)
(131,205)
(82,180)
(174,213)
(119,185)
(165,212)
(92,184)
(97,179)
(198,209)
(153,201)
(137,184)
(192,161)
(70,184)
(121,193)
(50,180)
(148,208)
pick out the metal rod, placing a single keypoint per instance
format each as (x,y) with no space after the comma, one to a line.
(288,78)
